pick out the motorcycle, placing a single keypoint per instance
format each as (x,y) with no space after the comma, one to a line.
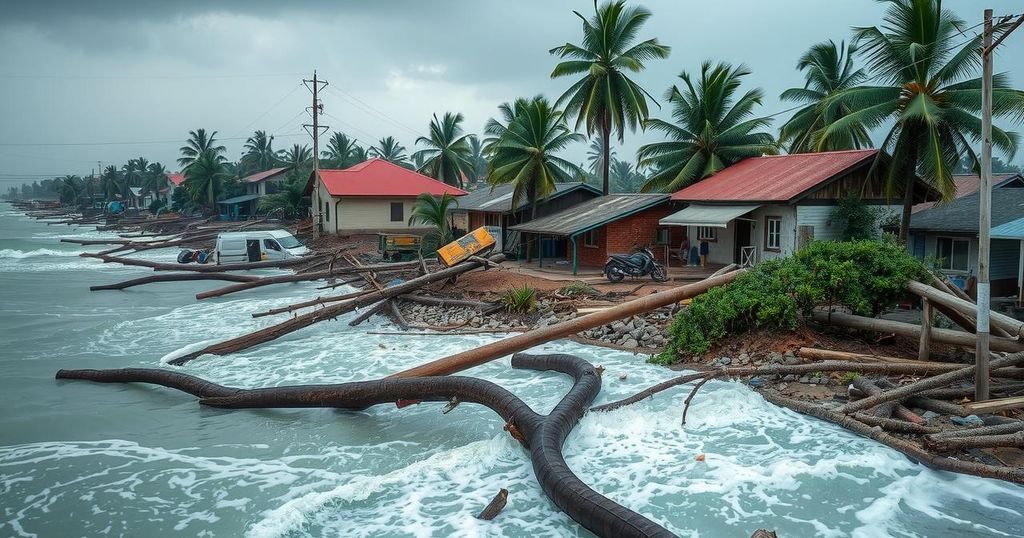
(640,263)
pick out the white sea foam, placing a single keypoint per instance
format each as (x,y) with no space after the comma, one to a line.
(9,253)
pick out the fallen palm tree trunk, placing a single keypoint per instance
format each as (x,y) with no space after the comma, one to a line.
(195,267)
(828,354)
(174,277)
(894,425)
(542,435)
(442,302)
(944,336)
(369,313)
(867,387)
(1010,327)
(303,277)
(908,448)
(938,381)
(952,444)
(489,352)
(998,429)
(328,312)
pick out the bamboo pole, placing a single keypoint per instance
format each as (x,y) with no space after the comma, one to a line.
(1012,327)
(486,353)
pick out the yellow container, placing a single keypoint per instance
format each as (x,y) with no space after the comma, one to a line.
(468,245)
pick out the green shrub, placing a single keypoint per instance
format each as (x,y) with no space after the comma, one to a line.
(578,288)
(520,300)
(865,276)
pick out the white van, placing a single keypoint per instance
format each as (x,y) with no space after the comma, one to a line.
(242,247)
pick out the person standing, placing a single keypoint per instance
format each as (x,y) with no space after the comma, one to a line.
(684,249)
(705,249)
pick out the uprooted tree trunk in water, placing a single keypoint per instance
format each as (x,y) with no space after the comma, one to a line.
(542,435)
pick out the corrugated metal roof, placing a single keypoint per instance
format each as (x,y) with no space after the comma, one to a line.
(1009,230)
(264,175)
(176,179)
(239,199)
(591,214)
(707,215)
(498,199)
(961,215)
(968,184)
(377,177)
(773,178)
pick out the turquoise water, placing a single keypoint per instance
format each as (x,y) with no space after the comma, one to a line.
(81,459)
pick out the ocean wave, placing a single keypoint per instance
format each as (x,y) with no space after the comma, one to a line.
(10,253)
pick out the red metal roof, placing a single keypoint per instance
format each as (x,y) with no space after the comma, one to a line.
(773,178)
(266,174)
(377,177)
(177,179)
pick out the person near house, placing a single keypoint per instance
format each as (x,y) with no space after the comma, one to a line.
(705,249)
(684,249)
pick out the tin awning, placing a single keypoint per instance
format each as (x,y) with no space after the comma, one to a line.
(717,216)
(239,199)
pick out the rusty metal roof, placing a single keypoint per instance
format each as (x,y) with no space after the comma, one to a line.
(774,178)
(591,214)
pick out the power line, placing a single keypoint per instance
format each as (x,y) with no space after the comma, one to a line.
(144,77)
(271,108)
(369,109)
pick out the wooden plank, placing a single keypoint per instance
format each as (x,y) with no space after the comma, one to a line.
(991,406)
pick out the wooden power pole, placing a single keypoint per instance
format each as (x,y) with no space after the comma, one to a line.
(315,111)
(981,356)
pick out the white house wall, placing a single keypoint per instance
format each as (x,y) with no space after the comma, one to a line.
(787,242)
(364,215)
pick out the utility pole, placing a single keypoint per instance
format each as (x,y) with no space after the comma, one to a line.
(315,111)
(981,352)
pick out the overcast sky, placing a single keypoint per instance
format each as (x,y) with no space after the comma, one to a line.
(119,71)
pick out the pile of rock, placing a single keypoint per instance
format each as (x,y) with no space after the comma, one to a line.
(453,316)
(646,332)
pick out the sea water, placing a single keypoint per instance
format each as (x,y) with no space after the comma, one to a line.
(85,459)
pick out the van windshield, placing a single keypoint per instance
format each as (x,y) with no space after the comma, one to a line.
(289,241)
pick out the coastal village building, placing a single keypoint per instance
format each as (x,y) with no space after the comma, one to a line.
(370,197)
(492,207)
(173,182)
(257,186)
(587,233)
(967,184)
(766,207)
(948,234)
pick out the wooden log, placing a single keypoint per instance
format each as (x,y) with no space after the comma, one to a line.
(940,380)
(928,404)
(396,313)
(494,507)
(1011,327)
(911,450)
(829,354)
(475,357)
(328,312)
(543,436)
(952,444)
(1016,426)
(198,268)
(312,302)
(924,347)
(893,425)
(992,406)
(943,336)
(442,301)
(867,387)
(174,277)
(282,279)
(369,313)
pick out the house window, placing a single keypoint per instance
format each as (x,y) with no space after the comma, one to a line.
(707,233)
(953,253)
(397,211)
(492,219)
(661,236)
(590,239)
(773,233)
(327,212)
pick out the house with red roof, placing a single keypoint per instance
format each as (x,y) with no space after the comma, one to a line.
(266,182)
(372,196)
(173,182)
(769,206)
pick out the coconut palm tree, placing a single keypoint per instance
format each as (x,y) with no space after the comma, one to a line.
(259,152)
(929,96)
(828,69)
(295,157)
(523,150)
(204,178)
(595,156)
(712,130)
(340,152)
(71,190)
(477,159)
(435,212)
(446,156)
(288,200)
(155,177)
(391,151)
(110,182)
(625,178)
(606,100)
(198,143)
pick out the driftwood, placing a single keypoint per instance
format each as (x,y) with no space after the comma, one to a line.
(952,444)
(999,429)
(317,275)
(442,301)
(313,302)
(908,448)
(501,348)
(867,387)
(396,313)
(893,425)
(494,507)
(927,403)
(369,313)
(196,267)
(328,312)
(991,406)
(1009,326)
(828,354)
(174,277)
(542,435)
(944,336)
(940,380)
